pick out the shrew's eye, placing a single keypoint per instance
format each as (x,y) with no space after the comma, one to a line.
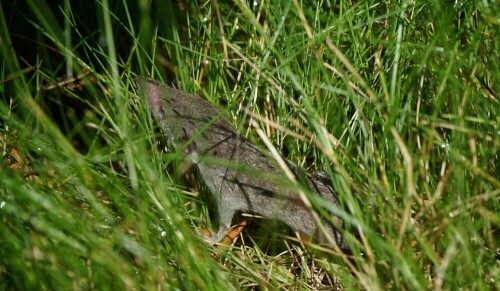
(191,146)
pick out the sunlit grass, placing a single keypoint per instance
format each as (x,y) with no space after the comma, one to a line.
(398,103)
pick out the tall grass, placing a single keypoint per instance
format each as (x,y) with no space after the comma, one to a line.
(397,101)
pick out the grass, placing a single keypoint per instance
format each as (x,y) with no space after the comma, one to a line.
(398,102)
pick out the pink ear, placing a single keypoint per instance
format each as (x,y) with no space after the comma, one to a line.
(154,95)
(153,91)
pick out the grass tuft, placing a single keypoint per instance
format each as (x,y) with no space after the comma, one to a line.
(396,101)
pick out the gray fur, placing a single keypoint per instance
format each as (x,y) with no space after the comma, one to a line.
(242,177)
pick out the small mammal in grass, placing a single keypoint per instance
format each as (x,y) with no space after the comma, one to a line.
(239,175)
